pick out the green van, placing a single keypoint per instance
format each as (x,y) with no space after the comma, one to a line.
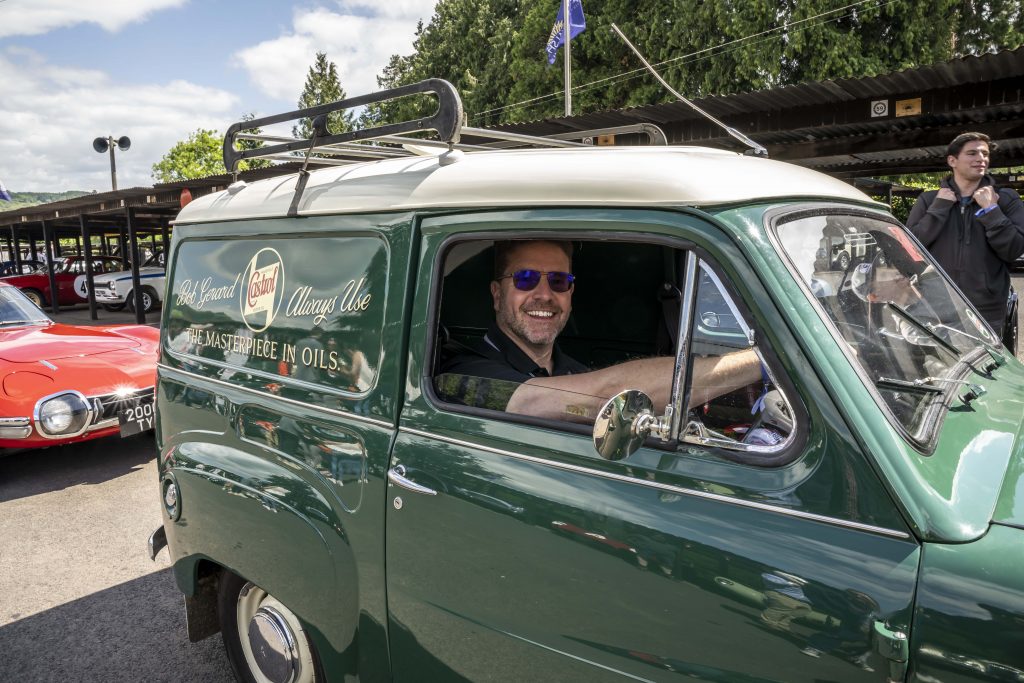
(345,498)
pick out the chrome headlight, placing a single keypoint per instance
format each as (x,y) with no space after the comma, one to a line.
(64,414)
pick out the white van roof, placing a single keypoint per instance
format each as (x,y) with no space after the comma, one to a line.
(597,176)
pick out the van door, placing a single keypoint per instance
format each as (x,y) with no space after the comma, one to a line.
(514,552)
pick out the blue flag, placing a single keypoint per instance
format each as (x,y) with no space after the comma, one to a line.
(577,24)
(5,196)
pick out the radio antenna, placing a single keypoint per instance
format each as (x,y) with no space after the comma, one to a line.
(757,149)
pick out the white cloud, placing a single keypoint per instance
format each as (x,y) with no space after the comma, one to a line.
(359,38)
(34,17)
(50,114)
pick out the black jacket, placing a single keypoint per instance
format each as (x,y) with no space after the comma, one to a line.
(976,251)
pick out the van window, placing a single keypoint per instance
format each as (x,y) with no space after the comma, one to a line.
(309,309)
(757,415)
(624,312)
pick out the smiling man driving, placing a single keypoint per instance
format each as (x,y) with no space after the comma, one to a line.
(532,297)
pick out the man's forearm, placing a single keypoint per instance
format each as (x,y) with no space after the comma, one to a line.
(579,397)
(714,376)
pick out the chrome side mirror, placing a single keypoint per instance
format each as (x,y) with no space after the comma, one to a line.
(623,423)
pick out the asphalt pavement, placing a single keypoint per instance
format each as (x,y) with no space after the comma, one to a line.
(79,598)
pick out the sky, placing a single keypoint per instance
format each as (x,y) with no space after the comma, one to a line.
(157,70)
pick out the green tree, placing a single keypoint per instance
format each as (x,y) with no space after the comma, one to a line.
(468,42)
(493,50)
(201,154)
(198,156)
(322,86)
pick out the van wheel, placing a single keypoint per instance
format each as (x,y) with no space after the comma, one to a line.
(265,641)
(148,300)
(35,296)
(843,261)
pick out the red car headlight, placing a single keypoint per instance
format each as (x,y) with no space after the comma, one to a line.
(64,414)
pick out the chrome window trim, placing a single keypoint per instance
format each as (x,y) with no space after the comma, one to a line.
(289,401)
(712,441)
(824,519)
(740,320)
(685,335)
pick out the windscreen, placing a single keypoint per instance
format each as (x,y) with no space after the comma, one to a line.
(896,312)
(16,309)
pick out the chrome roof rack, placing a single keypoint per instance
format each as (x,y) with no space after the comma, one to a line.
(393,139)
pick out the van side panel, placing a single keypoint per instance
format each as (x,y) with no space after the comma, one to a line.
(277,402)
(967,624)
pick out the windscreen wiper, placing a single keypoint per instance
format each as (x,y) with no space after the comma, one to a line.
(918,386)
(8,323)
(923,329)
(925,385)
(998,359)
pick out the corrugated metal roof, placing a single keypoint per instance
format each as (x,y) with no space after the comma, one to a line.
(983,92)
(961,71)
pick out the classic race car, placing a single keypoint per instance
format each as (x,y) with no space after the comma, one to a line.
(114,290)
(63,384)
(69,272)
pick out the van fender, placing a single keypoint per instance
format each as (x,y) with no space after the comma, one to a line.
(275,528)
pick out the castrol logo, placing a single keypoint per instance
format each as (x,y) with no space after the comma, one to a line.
(262,290)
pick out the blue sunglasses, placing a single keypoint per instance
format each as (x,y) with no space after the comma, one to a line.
(527,280)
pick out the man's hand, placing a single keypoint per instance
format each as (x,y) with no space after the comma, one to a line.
(946,193)
(985,196)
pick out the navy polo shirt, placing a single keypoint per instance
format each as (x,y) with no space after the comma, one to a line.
(498,357)
(487,374)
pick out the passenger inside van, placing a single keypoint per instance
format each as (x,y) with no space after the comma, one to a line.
(532,293)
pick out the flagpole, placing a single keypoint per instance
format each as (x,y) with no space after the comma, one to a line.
(567,75)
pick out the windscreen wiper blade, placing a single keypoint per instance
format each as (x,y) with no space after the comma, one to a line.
(997,356)
(8,323)
(923,329)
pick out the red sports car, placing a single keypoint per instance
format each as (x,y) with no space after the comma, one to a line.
(69,271)
(63,383)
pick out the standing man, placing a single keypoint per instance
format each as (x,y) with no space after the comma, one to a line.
(972,228)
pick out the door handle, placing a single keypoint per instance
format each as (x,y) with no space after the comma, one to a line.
(396,476)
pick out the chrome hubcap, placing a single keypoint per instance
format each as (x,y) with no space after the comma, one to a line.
(273,641)
(273,645)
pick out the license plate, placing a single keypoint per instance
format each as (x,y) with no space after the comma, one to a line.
(136,419)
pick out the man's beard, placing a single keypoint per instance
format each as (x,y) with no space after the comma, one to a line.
(518,322)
